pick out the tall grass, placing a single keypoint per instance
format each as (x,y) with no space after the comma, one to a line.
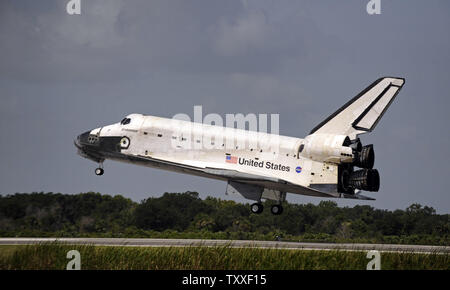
(53,256)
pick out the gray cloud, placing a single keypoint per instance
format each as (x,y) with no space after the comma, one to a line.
(117,39)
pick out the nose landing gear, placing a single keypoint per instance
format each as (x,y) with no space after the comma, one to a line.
(99,170)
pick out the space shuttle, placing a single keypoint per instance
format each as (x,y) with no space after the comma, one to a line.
(331,161)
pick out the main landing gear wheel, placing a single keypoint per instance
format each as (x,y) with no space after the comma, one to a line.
(256,208)
(99,171)
(276,209)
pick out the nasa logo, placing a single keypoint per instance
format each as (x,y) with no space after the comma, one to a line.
(298,169)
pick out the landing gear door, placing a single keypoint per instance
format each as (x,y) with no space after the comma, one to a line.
(248,191)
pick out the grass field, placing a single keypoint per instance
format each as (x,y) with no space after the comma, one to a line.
(53,256)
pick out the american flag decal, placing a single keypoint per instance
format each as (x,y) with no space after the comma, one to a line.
(231,159)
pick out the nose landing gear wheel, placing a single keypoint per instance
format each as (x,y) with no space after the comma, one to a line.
(276,209)
(99,171)
(256,208)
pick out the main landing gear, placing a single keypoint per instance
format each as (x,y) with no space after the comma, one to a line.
(276,209)
(99,170)
(258,208)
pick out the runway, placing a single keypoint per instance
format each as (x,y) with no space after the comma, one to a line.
(230,243)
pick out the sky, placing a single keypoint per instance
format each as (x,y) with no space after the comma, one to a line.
(61,75)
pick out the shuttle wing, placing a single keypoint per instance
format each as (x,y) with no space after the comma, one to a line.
(362,113)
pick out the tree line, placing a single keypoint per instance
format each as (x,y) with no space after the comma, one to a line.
(185,215)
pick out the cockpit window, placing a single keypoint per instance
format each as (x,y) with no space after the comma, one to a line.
(125,121)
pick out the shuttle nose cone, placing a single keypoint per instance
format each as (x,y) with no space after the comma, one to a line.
(76,142)
(82,140)
(88,146)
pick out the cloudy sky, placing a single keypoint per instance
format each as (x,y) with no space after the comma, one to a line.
(61,75)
